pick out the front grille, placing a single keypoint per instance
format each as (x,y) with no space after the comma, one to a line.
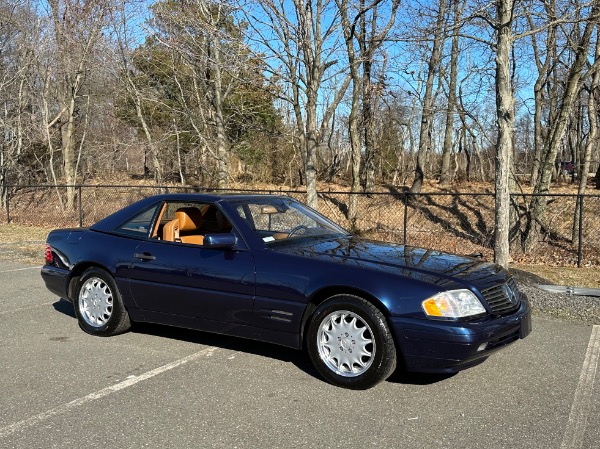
(502,298)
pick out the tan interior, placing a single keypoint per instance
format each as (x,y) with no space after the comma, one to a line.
(190,220)
(158,221)
(171,231)
(185,226)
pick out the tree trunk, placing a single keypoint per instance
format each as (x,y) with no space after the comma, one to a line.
(368,123)
(541,84)
(505,121)
(133,91)
(311,143)
(445,174)
(592,142)
(353,130)
(537,131)
(217,103)
(68,145)
(428,104)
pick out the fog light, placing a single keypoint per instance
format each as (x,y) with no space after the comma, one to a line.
(482,347)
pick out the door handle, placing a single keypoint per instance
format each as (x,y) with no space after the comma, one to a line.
(144,256)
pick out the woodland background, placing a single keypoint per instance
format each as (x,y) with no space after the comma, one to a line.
(362,95)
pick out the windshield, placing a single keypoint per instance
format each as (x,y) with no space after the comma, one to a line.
(284,219)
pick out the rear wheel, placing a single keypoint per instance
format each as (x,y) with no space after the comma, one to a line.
(98,304)
(350,343)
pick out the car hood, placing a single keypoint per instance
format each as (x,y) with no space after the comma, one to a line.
(435,267)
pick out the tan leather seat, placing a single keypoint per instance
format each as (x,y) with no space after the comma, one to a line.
(190,220)
(170,231)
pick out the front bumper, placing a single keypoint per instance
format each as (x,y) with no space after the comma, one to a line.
(437,346)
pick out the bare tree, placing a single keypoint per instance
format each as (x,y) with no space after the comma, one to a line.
(370,38)
(300,41)
(545,58)
(77,27)
(354,133)
(592,139)
(19,36)
(206,31)
(581,47)
(457,11)
(363,36)
(428,97)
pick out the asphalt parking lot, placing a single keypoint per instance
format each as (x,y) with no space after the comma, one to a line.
(164,387)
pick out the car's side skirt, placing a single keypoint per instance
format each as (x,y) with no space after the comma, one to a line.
(288,339)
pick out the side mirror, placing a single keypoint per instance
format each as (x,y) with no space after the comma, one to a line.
(219,241)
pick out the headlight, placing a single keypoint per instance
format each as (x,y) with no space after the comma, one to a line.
(453,304)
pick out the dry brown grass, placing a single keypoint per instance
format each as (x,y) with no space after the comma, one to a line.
(10,233)
(571,276)
(23,244)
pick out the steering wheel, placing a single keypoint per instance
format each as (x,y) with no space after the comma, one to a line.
(296,229)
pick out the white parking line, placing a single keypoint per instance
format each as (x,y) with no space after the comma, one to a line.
(20,309)
(61,409)
(582,402)
(19,269)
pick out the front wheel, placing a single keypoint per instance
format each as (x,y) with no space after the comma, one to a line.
(350,343)
(98,304)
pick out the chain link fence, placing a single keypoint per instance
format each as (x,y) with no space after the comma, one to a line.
(461,223)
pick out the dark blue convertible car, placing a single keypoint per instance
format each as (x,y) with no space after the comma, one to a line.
(269,268)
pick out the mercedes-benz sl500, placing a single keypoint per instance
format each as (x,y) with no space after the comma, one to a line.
(271,269)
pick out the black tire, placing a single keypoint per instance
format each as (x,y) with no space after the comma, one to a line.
(350,343)
(98,304)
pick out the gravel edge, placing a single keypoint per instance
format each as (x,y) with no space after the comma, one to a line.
(572,308)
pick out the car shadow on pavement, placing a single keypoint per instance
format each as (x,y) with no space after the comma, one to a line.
(298,358)
(65,307)
(400,376)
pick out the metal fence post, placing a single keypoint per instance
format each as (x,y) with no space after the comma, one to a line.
(405,214)
(580,238)
(80,206)
(7,207)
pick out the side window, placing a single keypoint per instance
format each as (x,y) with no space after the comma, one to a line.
(185,222)
(171,208)
(166,229)
(244,212)
(269,218)
(138,226)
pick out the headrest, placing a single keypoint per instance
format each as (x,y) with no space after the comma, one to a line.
(190,218)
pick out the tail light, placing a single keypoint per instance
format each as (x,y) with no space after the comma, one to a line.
(49,257)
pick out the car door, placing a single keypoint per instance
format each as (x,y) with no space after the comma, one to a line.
(188,280)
